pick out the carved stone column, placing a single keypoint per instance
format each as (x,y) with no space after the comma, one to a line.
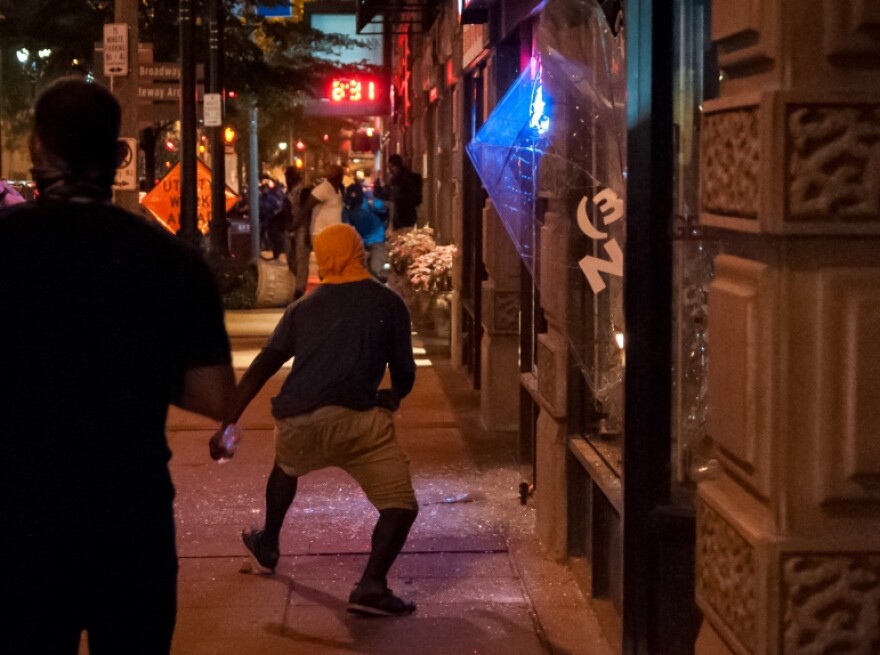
(552,377)
(499,383)
(788,536)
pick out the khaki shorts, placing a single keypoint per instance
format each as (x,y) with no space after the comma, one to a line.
(361,443)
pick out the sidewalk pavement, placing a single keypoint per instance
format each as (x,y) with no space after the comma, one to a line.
(472,564)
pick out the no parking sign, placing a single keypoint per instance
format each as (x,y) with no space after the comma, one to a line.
(126,174)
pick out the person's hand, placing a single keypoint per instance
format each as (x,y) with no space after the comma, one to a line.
(216,448)
(387,399)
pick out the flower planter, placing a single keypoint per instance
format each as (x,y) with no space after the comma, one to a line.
(441,314)
(422,274)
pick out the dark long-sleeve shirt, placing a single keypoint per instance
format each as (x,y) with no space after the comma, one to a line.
(342,337)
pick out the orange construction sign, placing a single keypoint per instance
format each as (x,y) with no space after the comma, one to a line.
(163,202)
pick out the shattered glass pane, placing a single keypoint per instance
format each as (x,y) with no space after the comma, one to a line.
(556,143)
(505,153)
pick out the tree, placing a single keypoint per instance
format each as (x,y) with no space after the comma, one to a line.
(277,64)
(41,40)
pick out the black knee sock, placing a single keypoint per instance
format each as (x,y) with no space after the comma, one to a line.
(389,536)
(280,492)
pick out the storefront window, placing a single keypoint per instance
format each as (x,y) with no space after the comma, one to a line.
(584,58)
(693,252)
(556,142)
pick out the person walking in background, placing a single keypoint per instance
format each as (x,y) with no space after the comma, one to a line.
(358,213)
(324,204)
(299,239)
(118,320)
(271,203)
(404,192)
(331,412)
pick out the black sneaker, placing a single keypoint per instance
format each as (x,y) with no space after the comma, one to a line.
(263,561)
(383,603)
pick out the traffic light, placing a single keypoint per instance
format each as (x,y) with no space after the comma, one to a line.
(229,137)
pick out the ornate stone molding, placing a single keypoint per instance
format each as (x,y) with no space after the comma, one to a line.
(831,604)
(833,162)
(742,298)
(551,354)
(746,33)
(850,28)
(502,310)
(786,162)
(849,464)
(726,575)
(730,154)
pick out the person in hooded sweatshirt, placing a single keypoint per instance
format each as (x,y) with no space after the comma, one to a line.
(331,412)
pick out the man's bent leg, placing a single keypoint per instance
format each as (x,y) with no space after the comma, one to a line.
(280,492)
(389,536)
(381,468)
(262,545)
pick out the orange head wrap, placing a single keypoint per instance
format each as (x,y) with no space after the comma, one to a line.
(340,254)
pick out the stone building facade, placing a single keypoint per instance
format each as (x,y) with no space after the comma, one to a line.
(682,340)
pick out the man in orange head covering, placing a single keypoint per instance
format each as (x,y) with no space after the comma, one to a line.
(340,255)
(330,411)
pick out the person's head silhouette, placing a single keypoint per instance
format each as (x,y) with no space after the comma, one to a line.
(74,143)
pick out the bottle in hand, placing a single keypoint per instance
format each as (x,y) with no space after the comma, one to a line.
(231,438)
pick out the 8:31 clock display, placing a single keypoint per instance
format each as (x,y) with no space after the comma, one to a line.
(351,89)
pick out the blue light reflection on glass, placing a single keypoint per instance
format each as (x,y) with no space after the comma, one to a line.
(506,152)
(539,119)
(565,117)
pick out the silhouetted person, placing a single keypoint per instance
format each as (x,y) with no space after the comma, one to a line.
(106,320)
(298,226)
(405,193)
(331,412)
(360,215)
(271,204)
(324,204)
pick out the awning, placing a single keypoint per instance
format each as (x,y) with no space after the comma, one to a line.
(395,16)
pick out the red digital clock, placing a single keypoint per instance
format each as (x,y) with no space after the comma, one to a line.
(352,89)
(353,94)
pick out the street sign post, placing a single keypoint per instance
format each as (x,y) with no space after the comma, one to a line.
(126,174)
(159,92)
(213,109)
(116,49)
(167,70)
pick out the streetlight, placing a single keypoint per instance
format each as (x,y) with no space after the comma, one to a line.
(32,64)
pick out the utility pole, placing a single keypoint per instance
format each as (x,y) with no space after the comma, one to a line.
(253,181)
(219,240)
(125,88)
(188,180)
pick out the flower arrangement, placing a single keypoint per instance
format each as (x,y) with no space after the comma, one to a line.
(432,271)
(422,275)
(420,262)
(406,245)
